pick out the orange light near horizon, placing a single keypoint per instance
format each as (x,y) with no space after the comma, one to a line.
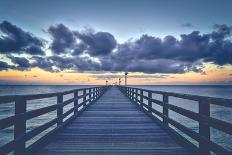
(38,76)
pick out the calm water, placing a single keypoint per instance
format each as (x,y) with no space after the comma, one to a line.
(216,111)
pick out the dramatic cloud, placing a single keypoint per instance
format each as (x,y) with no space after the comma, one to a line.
(100,43)
(98,51)
(59,63)
(20,62)
(4,66)
(66,41)
(14,40)
(63,39)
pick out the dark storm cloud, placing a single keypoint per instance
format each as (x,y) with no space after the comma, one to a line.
(42,62)
(20,62)
(221,32)
(60,63)
(4,66)
(98,51)
(100,43)
(63,39)
(15,40)
(66,41)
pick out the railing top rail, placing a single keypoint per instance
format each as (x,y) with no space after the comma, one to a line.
(205,121)
(207,99)
(12,98)
(21,115)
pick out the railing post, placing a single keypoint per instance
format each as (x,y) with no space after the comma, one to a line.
(84,98)
(90,95)
(76,102)
(149,101)
(94,93)
(59,109)
(98,89)
(136,95)
(204,128)
(20,125)
(133,94)
(141,97)
(165,108)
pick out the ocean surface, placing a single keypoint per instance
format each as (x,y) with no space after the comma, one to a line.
(218,112)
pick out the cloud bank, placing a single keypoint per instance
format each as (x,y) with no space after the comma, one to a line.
(88,50)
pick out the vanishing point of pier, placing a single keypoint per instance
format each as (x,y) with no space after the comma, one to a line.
(113,120)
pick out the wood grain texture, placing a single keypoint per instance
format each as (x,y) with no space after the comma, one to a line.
(113,125)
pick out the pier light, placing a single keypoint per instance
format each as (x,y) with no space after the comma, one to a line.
(107,82)
(119,81)
(126,73)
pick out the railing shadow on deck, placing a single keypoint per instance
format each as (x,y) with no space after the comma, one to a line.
(82,99)
(205,145)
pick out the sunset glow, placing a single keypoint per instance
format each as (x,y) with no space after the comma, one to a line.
(63,44)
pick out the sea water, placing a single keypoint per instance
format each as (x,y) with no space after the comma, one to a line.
(218,112)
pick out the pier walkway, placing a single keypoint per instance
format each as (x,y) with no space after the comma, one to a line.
(113,125)
(114,120)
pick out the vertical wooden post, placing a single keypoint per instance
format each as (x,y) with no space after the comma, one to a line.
(90,94)
(149,101)
(165,108)
(136,95)
(84,98)
(204,128)
(76,102)
(133,94)
(141,97)
(20,125)
(98,92)
(94,93)
(59,109)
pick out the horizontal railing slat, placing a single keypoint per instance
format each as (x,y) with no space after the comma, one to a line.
(93,93)
(12,98)
(203,117)
(211,100)
(7,122)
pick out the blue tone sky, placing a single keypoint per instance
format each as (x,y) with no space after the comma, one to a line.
(156,41)
(124,19)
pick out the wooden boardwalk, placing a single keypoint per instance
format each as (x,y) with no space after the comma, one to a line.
(113,125)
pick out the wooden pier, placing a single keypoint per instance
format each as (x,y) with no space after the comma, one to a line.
(113,121)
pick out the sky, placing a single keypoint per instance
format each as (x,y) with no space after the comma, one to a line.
(91,41)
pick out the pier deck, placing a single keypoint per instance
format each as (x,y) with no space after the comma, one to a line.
(113,125)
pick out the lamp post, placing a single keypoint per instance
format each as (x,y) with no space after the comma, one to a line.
(107,82)
(126,73)
(119,81)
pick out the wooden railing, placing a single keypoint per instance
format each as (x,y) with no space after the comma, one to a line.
(81,98)
(205,145)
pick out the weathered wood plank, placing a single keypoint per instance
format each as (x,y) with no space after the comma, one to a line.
(113,125)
